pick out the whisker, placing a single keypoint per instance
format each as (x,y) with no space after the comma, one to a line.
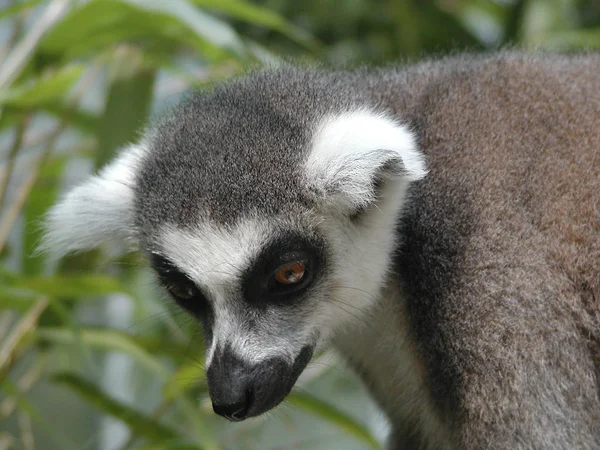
(359,290)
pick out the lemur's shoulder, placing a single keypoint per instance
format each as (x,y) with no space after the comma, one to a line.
(502,237)
(512,145)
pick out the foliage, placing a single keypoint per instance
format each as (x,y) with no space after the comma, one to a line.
(78,79)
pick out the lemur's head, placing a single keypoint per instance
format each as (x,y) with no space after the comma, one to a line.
(267,209)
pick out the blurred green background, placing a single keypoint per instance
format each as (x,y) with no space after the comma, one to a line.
(92,355)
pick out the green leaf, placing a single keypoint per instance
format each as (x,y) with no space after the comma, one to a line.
(185,378)
(137,422)
(25,405)
(17,7)
(18,301)
(213,30)
(143,351)
(85,121)
(127,108)
(172,445)
(45,423)
(91,26)
(334,416)
(8,275)
(197,423)
(257,15)
(42,197)
(181,382)
(42,90)
(105,339)
(78,286)
(156,24)
(569,40)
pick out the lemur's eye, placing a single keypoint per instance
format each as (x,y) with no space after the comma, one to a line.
(291,277)
(290,273)
(183,291)
(283,271)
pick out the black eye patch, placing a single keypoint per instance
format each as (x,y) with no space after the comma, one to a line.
(181,287)
(265,283)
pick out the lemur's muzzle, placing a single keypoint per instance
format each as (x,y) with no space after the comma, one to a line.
(239,390)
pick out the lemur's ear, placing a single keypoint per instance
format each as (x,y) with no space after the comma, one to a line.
(99,210)
(354,152)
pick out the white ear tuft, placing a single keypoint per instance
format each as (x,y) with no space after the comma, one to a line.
(353,151)
(97,211)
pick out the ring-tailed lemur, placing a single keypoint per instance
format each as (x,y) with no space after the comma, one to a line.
(440,224)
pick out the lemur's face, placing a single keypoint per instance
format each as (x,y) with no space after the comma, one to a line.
(260,290)
(267,210)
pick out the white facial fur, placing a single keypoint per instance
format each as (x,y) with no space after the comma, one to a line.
(349,151)
(215,259)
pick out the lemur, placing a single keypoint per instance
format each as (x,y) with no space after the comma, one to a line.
(439,224)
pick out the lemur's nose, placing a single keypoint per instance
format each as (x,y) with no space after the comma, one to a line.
(240,389)
(235,411)
(231,386)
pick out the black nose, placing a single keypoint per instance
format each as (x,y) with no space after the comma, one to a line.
(236,410)
(231,385)
(240,389)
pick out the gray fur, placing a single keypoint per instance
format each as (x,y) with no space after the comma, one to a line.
(468,300)
(196,148)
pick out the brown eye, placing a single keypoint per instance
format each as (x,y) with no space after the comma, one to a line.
(182,291)
(291,273)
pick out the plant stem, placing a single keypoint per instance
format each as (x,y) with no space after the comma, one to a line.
(24,384)
(6,441)
(13,211)
(6,318)
(16,32)
(11,343)
(27,439)
(12,156)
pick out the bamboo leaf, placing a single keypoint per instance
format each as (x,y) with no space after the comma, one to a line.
(127,107)
(11,389)
(176,388)
(94,25)
(18,301)
(105,339)
(573,39)
(57,439)
(258,15)
(99,24)
(142,351)
(137,422)
(173,445)
(42,90)
(85,121)
(211,29)
(79,286)
(184,379)
(334,416)
(42,197)
(16,8)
